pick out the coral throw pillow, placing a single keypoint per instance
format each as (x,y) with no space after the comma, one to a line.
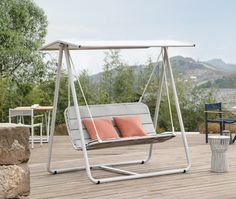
(130,126)
(104,127)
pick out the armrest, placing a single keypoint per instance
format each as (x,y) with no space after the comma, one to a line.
(215,112)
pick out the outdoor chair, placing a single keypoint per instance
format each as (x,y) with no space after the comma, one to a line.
(216,109)
(20,115)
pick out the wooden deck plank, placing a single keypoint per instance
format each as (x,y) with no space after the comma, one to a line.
(198,183)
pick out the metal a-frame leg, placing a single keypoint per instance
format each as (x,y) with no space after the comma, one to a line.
(159,95)
(185,143)
(157,109)
(54,112)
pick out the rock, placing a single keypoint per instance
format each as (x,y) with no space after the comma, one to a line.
(14,181)
(14,144)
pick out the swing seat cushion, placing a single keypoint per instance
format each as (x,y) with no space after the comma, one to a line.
(129,141)
(104,128)
(130,126)
(110,111)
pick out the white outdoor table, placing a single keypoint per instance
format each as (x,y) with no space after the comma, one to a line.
(47,110)
(219,146)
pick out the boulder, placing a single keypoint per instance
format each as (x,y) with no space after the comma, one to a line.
(15,181)
(14,144)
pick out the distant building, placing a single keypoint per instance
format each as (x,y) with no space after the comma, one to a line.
(227,96)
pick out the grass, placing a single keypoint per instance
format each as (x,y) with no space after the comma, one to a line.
(60,129)
(215,128)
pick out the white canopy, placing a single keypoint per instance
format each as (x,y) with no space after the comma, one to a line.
(99,45)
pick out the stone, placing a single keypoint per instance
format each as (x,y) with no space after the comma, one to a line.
(14,144)
(14,181)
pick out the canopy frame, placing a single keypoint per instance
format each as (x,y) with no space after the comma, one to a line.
(106,45)
(64,48)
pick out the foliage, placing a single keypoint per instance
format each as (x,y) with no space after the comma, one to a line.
(117,82)
(23,70)
(88,86)
(23,28)
(192,102)
(111,60)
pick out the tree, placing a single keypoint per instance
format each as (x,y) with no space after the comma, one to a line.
(117,82)
(191,101)
(23,29)
(150,94)
(89,88)
(123,85)
(111,60)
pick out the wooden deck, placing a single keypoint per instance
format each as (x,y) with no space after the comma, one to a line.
(198,183)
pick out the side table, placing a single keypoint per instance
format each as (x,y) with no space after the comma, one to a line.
(219,146)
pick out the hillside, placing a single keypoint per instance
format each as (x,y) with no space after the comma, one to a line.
(221,65)
(194,71)
(188,69)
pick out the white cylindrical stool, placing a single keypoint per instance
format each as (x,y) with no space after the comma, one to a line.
(219,146)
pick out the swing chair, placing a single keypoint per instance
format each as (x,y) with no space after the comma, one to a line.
(75,114)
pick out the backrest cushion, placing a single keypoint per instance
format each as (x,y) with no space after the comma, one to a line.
(213,106)
(130,126)
(104,127)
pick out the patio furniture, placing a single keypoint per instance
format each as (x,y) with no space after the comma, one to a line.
(45,117)
(20,114)
(216,109)
(109,111)
(74,114)
(219,146)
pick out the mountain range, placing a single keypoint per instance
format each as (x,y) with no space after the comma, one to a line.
(201,72)
(184,64)
(198,72)
(221,65)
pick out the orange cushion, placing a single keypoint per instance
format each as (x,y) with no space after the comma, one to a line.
(104,127)
(130,126)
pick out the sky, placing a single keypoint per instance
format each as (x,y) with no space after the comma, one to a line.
(210,24)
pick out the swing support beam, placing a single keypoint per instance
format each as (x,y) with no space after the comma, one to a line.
(166,66)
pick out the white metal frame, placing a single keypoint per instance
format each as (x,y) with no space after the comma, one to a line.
(47,116)
(65,47)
